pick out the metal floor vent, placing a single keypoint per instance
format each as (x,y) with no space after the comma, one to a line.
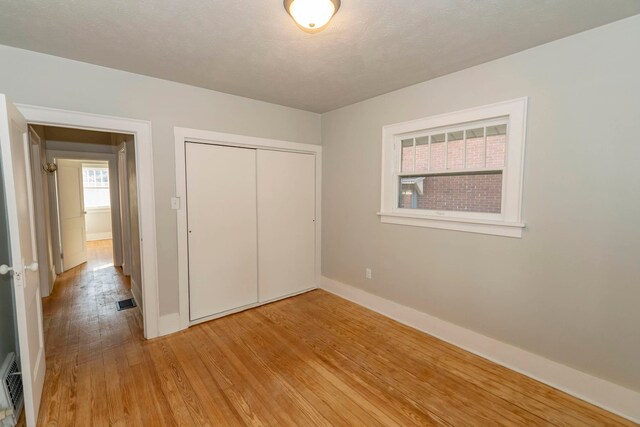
(125,304)
(11,393)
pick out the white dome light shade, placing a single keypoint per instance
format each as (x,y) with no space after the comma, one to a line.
(312,14)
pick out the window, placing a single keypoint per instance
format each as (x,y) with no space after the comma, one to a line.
(95,182)
(458,171)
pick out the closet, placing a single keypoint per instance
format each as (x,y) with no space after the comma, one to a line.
(251,226)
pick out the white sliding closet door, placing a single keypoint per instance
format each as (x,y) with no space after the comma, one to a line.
(286,223)
(221,216)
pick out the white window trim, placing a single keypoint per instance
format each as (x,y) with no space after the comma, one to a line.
(509,222)
(103,209)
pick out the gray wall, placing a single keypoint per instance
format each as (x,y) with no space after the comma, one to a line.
(33,78)
(569,290)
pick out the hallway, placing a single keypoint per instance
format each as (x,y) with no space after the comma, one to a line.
(80,316)
(85,335)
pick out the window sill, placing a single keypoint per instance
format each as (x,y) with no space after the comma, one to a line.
(496,228)
(98,210)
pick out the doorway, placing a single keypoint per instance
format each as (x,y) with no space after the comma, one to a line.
(26,170)
(89,200)
(84,202)
(141,154)
(82,189)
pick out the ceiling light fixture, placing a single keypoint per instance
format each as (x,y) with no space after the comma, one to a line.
(311,15)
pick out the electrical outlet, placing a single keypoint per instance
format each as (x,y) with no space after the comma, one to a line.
(367,273)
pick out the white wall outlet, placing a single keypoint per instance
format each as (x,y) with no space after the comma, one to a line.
(175,203)
(367,273)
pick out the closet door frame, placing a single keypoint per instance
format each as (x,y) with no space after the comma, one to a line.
(175,322)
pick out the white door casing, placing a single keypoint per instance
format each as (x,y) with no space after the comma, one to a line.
(40,213)
(125,218)
(141,131)
(221,206)
(73,229)
(286,223)
(16,173)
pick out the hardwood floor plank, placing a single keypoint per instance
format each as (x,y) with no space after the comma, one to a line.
(281,400)
(179,399)
(559,407)
(250,329)
(312,360)
(204,380)
(127,392)
(99,409)
(444,401)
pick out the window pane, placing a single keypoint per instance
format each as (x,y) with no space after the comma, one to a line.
(475,192)
(96,198)
(407,155)
(95,177)
(475,148)
(437,152)
(422,153)
(455,147)
(496,144)
(408,196)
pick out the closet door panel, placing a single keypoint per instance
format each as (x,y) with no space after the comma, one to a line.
(286,223)
(221,215)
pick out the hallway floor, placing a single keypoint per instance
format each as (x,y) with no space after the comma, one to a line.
(86,338)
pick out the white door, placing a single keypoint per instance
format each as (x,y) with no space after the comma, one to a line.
(16,174)
(73,228)
(286,223)
(221,218)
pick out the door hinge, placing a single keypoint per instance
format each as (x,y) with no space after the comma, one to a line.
(61,255)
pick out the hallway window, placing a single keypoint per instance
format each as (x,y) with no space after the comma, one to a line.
(95,180)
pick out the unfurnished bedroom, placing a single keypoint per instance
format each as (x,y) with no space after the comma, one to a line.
(319,212)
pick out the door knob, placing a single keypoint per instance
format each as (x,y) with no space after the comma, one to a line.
(4,268)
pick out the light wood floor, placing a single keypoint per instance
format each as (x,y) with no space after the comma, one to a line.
(310,360)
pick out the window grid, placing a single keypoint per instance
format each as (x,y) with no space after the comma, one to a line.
(429,164)
(446,150)
(484,147)
(454,181)
(464,153)
(465,167)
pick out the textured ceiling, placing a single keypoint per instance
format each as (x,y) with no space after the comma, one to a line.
(252,48)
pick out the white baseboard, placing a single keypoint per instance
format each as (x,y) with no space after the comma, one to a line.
(99,236)
(137,296)
(169,323)
(52,278)
(607,395)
